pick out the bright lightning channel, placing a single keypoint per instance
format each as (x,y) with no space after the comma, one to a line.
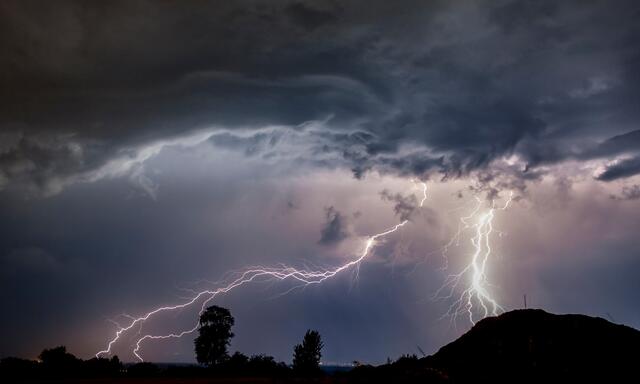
(477,293)
(303,276)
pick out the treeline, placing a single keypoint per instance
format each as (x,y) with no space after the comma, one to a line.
(211,349)
(214,338)
(58,363)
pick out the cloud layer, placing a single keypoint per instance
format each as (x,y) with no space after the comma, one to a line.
(437,87)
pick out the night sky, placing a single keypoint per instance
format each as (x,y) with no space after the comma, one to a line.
(148,148)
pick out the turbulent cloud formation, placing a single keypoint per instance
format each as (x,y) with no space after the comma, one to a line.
(437,87)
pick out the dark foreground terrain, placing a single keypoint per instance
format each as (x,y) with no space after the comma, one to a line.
(518,346)
(526,346)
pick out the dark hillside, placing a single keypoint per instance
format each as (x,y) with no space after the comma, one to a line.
(528,346)
(533,344)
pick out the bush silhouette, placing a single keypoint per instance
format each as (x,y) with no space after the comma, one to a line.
(264,365)
(58,362)
(101,367)
(306,356)
(11,367)
(236,363)
(214,336)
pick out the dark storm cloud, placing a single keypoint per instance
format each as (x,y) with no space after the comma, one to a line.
(464,82)
(625,143)
(335,229)
(621,169)
(308,17)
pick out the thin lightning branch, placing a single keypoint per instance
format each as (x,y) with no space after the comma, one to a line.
(304,277)
(475,272)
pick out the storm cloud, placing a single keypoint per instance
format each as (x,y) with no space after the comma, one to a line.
(621,169)
(446,90)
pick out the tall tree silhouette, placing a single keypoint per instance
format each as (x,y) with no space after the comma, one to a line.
(306,356)
(214,335)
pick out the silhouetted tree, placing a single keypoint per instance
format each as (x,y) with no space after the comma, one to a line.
(306,356)
(57,356)
(215,336)
(58,361)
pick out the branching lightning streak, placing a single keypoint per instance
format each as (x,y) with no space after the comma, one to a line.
(303,276)
(477,291)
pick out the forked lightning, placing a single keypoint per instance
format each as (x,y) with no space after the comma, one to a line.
(253,274)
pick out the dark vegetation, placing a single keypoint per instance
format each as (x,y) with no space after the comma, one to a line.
(306,356)
(56,363)
(211,349)
(516,347)
(214,336)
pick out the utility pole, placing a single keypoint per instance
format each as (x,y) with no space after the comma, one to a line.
(525,301)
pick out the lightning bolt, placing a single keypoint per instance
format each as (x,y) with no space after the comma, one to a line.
(474,274)
(303,277)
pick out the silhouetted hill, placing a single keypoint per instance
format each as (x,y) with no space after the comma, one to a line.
(533,344)
(529,346)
